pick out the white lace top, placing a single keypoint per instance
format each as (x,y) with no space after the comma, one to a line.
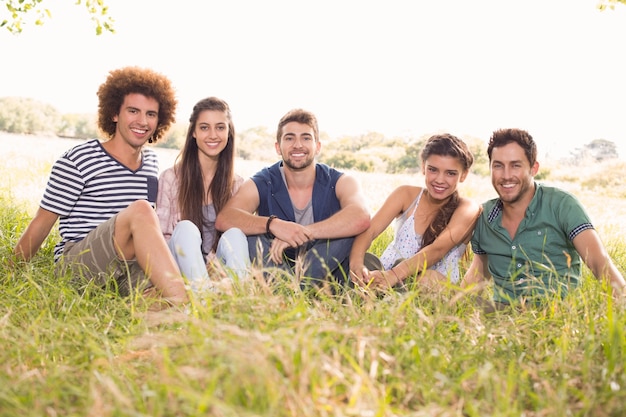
(407,243)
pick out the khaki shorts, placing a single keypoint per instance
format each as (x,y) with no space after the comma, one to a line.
(94,259)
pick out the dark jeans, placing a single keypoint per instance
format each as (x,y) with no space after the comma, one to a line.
(313,263)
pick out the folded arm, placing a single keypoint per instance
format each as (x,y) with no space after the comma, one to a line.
(353,217)
(393,207)
(458,230)
(240,211)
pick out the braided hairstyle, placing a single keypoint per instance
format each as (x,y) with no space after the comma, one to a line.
(445,145)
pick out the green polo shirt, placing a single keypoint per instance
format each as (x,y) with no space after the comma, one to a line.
(541,260)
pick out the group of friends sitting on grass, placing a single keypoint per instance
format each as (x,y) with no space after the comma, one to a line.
(198,223)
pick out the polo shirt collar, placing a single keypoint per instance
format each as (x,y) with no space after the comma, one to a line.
(494,213)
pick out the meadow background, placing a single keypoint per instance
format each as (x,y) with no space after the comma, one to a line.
(270,350)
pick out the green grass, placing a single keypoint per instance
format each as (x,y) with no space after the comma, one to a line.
(271,350)
(275,351)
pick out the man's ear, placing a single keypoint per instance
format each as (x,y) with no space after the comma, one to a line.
(534,169)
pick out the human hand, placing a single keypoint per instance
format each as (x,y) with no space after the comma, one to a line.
(359,275)
(383,279)
(277,249)
(292,233)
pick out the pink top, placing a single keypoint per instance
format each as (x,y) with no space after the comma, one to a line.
(167,201)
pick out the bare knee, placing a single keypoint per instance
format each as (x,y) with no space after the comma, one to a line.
(139,206)
(140,210)
(139,215)
(135,220)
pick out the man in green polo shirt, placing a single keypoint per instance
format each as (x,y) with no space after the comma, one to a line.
(531,239)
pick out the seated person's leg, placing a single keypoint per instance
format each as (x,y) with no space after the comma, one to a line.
(259,250)
(232,250)
(138,236)
(186,247)
(328,259)
(95,259)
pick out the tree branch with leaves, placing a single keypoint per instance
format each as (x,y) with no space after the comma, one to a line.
(17,12)
(609,4)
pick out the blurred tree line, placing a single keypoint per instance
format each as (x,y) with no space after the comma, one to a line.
(28,116)
(597,150)
(370,152)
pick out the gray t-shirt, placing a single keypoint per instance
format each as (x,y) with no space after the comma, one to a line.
(208,229)
(303,216)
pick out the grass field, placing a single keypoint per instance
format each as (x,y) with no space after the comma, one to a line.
(271,350)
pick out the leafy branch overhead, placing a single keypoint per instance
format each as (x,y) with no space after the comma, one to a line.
(609,4)
(18,13)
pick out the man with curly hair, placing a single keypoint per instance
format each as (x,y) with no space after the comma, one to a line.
(103,194)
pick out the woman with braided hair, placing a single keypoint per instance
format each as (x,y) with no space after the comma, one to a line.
(433,223)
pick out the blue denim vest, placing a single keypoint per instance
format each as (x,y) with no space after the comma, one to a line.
(274,196)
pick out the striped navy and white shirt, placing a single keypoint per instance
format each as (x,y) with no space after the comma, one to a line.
(87,186)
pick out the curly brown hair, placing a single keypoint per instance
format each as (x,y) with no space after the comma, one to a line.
(124,81)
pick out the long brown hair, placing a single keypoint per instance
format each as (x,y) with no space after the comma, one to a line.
(190,178)
(445,145)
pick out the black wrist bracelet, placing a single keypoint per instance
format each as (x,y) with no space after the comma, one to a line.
(267,225)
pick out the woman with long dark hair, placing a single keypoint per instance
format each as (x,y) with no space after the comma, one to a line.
(433,223)
(197,187)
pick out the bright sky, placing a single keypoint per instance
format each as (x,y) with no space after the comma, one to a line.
(553,67)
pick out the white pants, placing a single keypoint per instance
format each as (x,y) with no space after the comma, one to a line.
(186,247)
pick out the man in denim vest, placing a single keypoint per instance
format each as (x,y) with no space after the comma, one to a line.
(297,215)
